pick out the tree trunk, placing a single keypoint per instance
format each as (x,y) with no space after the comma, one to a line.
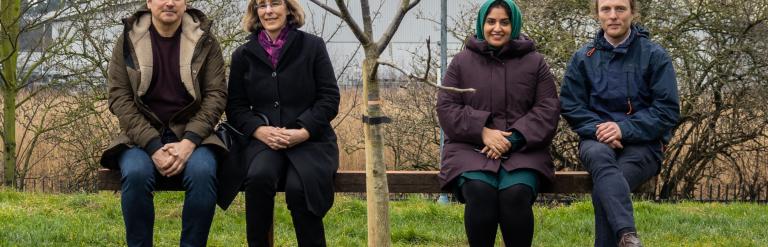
(9,139)
(8,53)
(377,190)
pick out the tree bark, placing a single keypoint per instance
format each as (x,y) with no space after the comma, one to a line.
(8,56)
(377,191)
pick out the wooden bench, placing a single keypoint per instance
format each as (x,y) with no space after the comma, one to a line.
(572,182)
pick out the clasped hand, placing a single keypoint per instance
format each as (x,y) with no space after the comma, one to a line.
(171,159)
(278,138)
(610,134)
(496,143)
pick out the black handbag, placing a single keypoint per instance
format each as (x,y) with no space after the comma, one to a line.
(233,169)
(229,135)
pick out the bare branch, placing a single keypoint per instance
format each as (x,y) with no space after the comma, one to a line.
(425,78)
(327,8)
(344,14)
(381,45)
(413,4)
(413,77)
(367,23)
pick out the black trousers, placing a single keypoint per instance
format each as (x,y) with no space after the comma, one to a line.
(488,209)
(267,172)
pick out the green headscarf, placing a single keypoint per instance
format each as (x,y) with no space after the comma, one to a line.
(516,18)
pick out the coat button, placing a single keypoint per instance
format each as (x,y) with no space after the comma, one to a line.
(274,74)
(277,104)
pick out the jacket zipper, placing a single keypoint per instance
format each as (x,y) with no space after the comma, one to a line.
(506,121)
(504,113)
(629,97)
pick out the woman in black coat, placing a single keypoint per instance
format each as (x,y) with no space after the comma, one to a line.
(283,94)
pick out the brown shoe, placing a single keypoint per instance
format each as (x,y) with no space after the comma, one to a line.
(630,239)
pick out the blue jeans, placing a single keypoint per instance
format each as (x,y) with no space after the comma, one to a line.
(614,174)
(138,183)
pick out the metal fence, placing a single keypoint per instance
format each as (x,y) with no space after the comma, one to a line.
(46,184)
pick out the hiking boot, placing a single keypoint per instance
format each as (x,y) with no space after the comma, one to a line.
(630,239)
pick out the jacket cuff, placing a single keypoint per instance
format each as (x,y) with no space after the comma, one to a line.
(194,138)
(626,134)
(517,139)
(250,127)
(310,129)
(153,145)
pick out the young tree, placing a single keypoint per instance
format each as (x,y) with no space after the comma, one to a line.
(9,34)
(376,171)
(20,74)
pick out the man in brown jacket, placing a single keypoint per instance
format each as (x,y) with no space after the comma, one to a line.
(166,87)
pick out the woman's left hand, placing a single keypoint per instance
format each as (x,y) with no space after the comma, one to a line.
(295,136)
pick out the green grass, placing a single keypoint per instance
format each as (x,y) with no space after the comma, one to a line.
(33,219)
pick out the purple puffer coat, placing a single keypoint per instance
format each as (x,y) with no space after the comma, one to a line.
(515,90)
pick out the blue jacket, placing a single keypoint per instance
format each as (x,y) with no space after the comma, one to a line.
(633,85)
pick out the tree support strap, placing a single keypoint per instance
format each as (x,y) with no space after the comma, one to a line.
(376,120)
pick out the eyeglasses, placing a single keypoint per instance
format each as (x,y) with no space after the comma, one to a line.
(272,3)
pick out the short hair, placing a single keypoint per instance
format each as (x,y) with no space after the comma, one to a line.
(251,21)
(634,7)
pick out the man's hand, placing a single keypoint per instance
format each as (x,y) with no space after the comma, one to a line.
(295,136)
(496,140)
(181,151)
(616,145)
(608,132)
(163,160)
(273,137)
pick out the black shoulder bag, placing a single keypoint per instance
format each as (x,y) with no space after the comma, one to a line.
(229,135)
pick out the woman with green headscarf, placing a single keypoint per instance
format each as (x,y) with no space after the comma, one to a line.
(496,153)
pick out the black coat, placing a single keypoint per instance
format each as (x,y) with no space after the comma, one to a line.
(300,92)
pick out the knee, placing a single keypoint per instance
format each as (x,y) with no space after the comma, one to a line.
(136,168)
(202,160)
(201,166)
(261,182)
(594,150)
(135,174)
(260,177)
(517,196)
(478,192)
(594,153)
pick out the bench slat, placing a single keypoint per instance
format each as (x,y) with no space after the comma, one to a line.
(399,182)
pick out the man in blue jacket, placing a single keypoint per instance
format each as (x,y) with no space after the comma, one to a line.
(619,95)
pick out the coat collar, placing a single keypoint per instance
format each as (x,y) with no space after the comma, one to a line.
(255,48)
(636,32)
(514,48)
(193,24)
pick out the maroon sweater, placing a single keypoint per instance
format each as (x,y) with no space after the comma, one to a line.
(166,95)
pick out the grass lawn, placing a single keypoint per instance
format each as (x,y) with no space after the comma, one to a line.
(33,219)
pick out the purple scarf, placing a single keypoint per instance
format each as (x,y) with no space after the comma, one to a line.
(273,48)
